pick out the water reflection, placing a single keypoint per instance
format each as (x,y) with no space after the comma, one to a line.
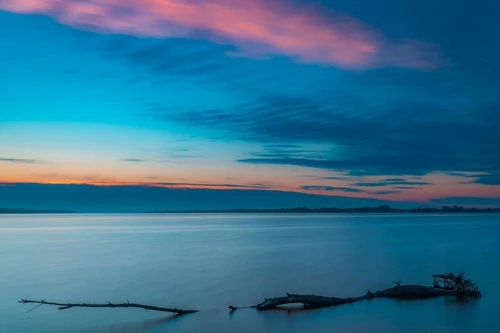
(211,262)
(143,326)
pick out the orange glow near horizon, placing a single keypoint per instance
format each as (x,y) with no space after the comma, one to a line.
(442,186)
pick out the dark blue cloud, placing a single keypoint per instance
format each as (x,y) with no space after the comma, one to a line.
(172,56)
(183,60)
(468,201)
(467,47)
(409,139)
(488,179)
(330,189)
(389,182)
(21,160)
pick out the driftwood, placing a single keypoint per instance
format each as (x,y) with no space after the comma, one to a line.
(456,285)
(444,285)
(64,306)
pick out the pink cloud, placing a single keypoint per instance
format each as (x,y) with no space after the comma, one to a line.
(257,28)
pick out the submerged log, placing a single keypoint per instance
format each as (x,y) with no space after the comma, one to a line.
(309,301)
(456,286)
(315,301)
(64,306)
(413,292)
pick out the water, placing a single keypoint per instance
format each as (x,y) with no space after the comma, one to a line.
(212,261)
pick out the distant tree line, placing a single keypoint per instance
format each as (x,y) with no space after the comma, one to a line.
(379,209)
(33,211)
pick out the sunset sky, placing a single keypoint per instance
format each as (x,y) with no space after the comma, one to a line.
(396,100)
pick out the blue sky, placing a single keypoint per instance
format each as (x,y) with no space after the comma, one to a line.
(388,100)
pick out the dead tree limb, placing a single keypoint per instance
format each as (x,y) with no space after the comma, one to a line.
(64,306)
(456,285)
(413,292)
(444,285)
(309,301)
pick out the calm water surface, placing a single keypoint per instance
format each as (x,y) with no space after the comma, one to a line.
(212,261)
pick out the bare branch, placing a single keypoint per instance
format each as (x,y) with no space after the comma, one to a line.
(64,306)
(455,285)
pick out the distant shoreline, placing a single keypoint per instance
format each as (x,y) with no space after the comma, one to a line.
(380,209)
(305,210)
(35,211)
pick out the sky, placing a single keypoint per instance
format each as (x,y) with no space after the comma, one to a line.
(380,101)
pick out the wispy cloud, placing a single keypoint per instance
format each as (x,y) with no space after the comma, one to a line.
(257,28)
(21,160)
(484,179)
(391,182)
(212,185)
(346,190)
(133,160)
(417,139)
(330,189)
(153,181)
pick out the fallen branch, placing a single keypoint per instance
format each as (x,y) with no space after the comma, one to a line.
(309,301)
(412,292)
(456,286)
(64,306)
(444,285)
